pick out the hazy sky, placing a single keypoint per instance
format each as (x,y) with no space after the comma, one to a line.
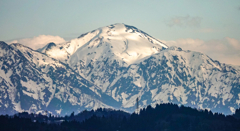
(208,26)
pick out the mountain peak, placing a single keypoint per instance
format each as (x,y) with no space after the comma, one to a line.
(51,44)
(113,66)
(20,46)
(119,41)
(3,44)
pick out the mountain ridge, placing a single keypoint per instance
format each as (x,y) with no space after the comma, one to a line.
(37,80)
(121,63)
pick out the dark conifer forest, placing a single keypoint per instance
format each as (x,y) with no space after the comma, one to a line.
(164,117)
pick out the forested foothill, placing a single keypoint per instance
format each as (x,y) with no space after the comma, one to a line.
(164,117)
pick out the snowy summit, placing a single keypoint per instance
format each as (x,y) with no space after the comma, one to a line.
(111,67)
(119,41)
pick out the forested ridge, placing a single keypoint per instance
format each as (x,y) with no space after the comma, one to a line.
(164,117)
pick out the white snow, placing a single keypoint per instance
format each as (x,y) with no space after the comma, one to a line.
(32,89)
(154,92)
(232,109)
(126,103)
(144,102)
(17,107)
(116,40)
(111,42)
(114,94)
(238,100)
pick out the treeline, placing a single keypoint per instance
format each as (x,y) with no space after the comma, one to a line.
(49,118)
(164,117)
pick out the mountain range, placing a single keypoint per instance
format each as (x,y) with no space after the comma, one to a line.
(111,67)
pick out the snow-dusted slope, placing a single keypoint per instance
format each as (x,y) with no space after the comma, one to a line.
(103,54)
(31,81)
(112,66)
(55,51)
(120,41)
(182,77)
(127,63)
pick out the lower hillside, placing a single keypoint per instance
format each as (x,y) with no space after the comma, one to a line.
(164,117)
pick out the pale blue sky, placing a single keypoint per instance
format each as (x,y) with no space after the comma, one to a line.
(208,26)
(215,19)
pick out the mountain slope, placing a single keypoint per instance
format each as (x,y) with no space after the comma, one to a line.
(126,63)
(103,54)
(113,66)
(31,81)
(181,77)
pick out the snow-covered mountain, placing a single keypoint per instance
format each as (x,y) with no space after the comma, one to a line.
(105,53)
(127,63)
(181,77)
(114,65)
(31,81)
